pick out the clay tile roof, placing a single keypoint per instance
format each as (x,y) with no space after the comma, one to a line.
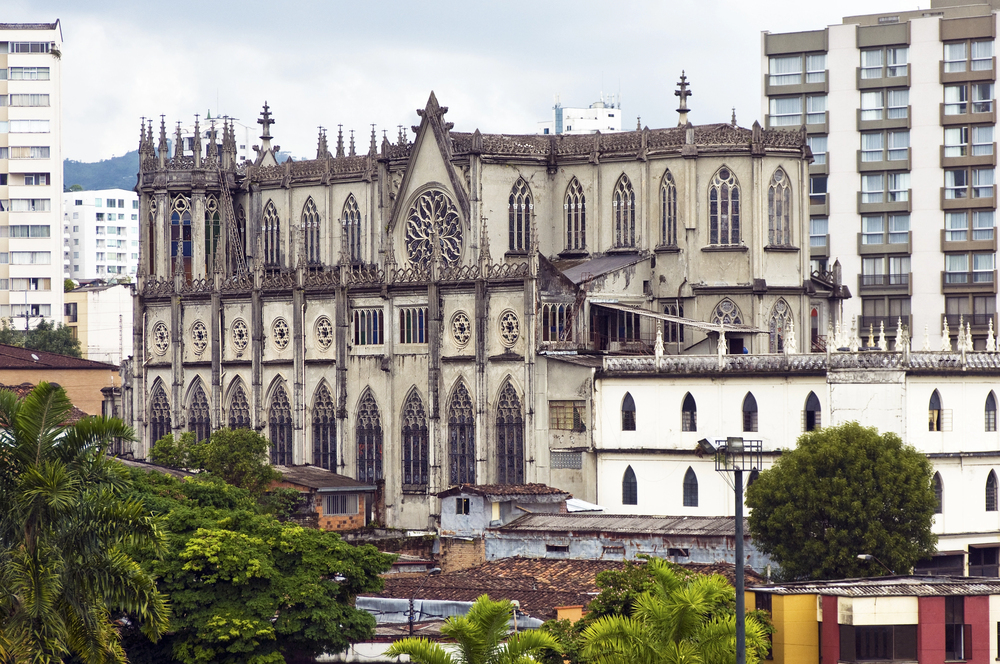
(320,479)
(539,584)
(512,490)
(22,390)
(15,357)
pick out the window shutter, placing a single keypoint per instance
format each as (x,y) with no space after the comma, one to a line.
(946,420)
(966,641)
(803,421)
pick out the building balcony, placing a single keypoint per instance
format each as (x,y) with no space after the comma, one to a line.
(969,74)
(988,117)
(795,88)
(883,81)
(969,282)
(966,158)
(885,247)
(890,322)
(976,320)
(884,283)
(819,246)
(884,164)
(884,122)
(962,197)
(884,205)
(968,245)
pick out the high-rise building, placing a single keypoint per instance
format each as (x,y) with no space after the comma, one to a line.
(31,181)
(101,233)
(603,116)
(900,114)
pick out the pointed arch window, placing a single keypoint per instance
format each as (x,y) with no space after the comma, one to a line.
(623,203)
(724,208)
(991,412)
(324,430)
(749,412)
(351,218)
(150,248)
(310,229)
(239,251)
(368,433)
(673,332)
(180,234)
(415,473)
(727,313)
(689,414)
(690,488)
(668,211)
(159,415)
(461,438)
(271,230)
(934,412)
(510,437)
(239,409)
(575,206)
(557,322)
(630,488)
(199,416)
(280,428)
(813,413)
(779,206)
(520,208)
(213,232)
(991,492)
(778,325)
(938,493)
(628,413)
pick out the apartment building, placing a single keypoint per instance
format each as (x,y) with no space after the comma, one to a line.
(900,114)
(101,234)
(31,181)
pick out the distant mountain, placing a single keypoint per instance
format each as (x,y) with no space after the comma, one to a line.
(115,173)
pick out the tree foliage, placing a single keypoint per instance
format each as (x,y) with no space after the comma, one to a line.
(67,527)
(841,492)
(45,336)
(245,587)
(238,456)
(680,619)
(481,637)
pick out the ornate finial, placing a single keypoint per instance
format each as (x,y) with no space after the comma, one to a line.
(968,338)
(402,137)
(196,143)
(658,346)
(871,336)
(350,151)
(638,123)
(899,334)
(991,340)
(720,346)
(179,142)
(142,133)
(733,121)
(484,246)
(682,92)
(320,151)
(265,120)
(340,140)
(945,337)
(882,345)
(373,146)
(790,342)
(927,340)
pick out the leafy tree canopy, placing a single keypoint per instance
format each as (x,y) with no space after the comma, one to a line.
(238,456)
(45,336)
(245,587)
(841,492)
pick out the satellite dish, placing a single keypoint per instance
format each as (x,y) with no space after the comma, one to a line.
(34,357)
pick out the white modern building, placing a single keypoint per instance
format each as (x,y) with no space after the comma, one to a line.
(603,116)
(101,234)
(100,316)
(900,114)
(31,179)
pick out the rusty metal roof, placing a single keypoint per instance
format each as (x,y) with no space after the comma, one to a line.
(624,523)
(497,491)
(890,586)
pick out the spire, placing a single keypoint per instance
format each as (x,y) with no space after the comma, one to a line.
(320,148)
(402,137)
(340,140)
(682,92)
(196,143)
(638,123)
(373,146)
(265,120)
(733,121)
(351,152)
(179,142)
(213,143)
(142,134)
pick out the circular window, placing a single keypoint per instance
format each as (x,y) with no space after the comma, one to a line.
(279,332)
(510,328)
(199,337)
(324,332)
(241,334)
(161,338)
(724,174)
(461,328)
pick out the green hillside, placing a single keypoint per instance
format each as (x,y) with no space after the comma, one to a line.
(115,173)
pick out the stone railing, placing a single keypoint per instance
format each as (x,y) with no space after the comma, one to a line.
(978,361)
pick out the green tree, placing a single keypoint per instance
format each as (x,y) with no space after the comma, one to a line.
(238,456)
(841,492)
(246,588)
(76,187)
(45,336)
(682,619)
(482,637)
(68,285)
(66,532)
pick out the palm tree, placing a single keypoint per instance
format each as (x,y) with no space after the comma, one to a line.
(680,621)
(481,637)
(66,528)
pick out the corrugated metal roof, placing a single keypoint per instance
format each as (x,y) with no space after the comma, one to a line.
(618,523)
(890,586)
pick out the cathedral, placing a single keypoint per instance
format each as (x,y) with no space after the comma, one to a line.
(403,316)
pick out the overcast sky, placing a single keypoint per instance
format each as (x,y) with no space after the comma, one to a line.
(497,65)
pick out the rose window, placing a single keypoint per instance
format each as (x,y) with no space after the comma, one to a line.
(324,332)
(461,328)
(241,334)
(199,337)
(510,328)
(279,332)
(161,338)
(433,214)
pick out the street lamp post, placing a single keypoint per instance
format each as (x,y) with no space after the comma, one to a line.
(431,572)
(733,457)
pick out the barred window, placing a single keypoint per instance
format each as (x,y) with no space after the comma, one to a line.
(991,412)
(413,325)
(368,327)
(280,421)
(630,488)
(461,438)
(341,504)
(623,202)
(628,413)
(566,460)
(368,434)
(575,206)
(749,412)
(991,492)
(813,412)
(520,208)
(510,437)
(567,415)
(690,488)
(557,322)
(415,474)
(689,414)
(324,430)
(199,418)
(938,493)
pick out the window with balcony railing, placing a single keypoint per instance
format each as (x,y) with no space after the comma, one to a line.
(818,230)
(786,111)
(956,268)
(785,70)
(818,146)
(968,56)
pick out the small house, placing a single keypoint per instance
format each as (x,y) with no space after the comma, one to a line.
(335,501)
